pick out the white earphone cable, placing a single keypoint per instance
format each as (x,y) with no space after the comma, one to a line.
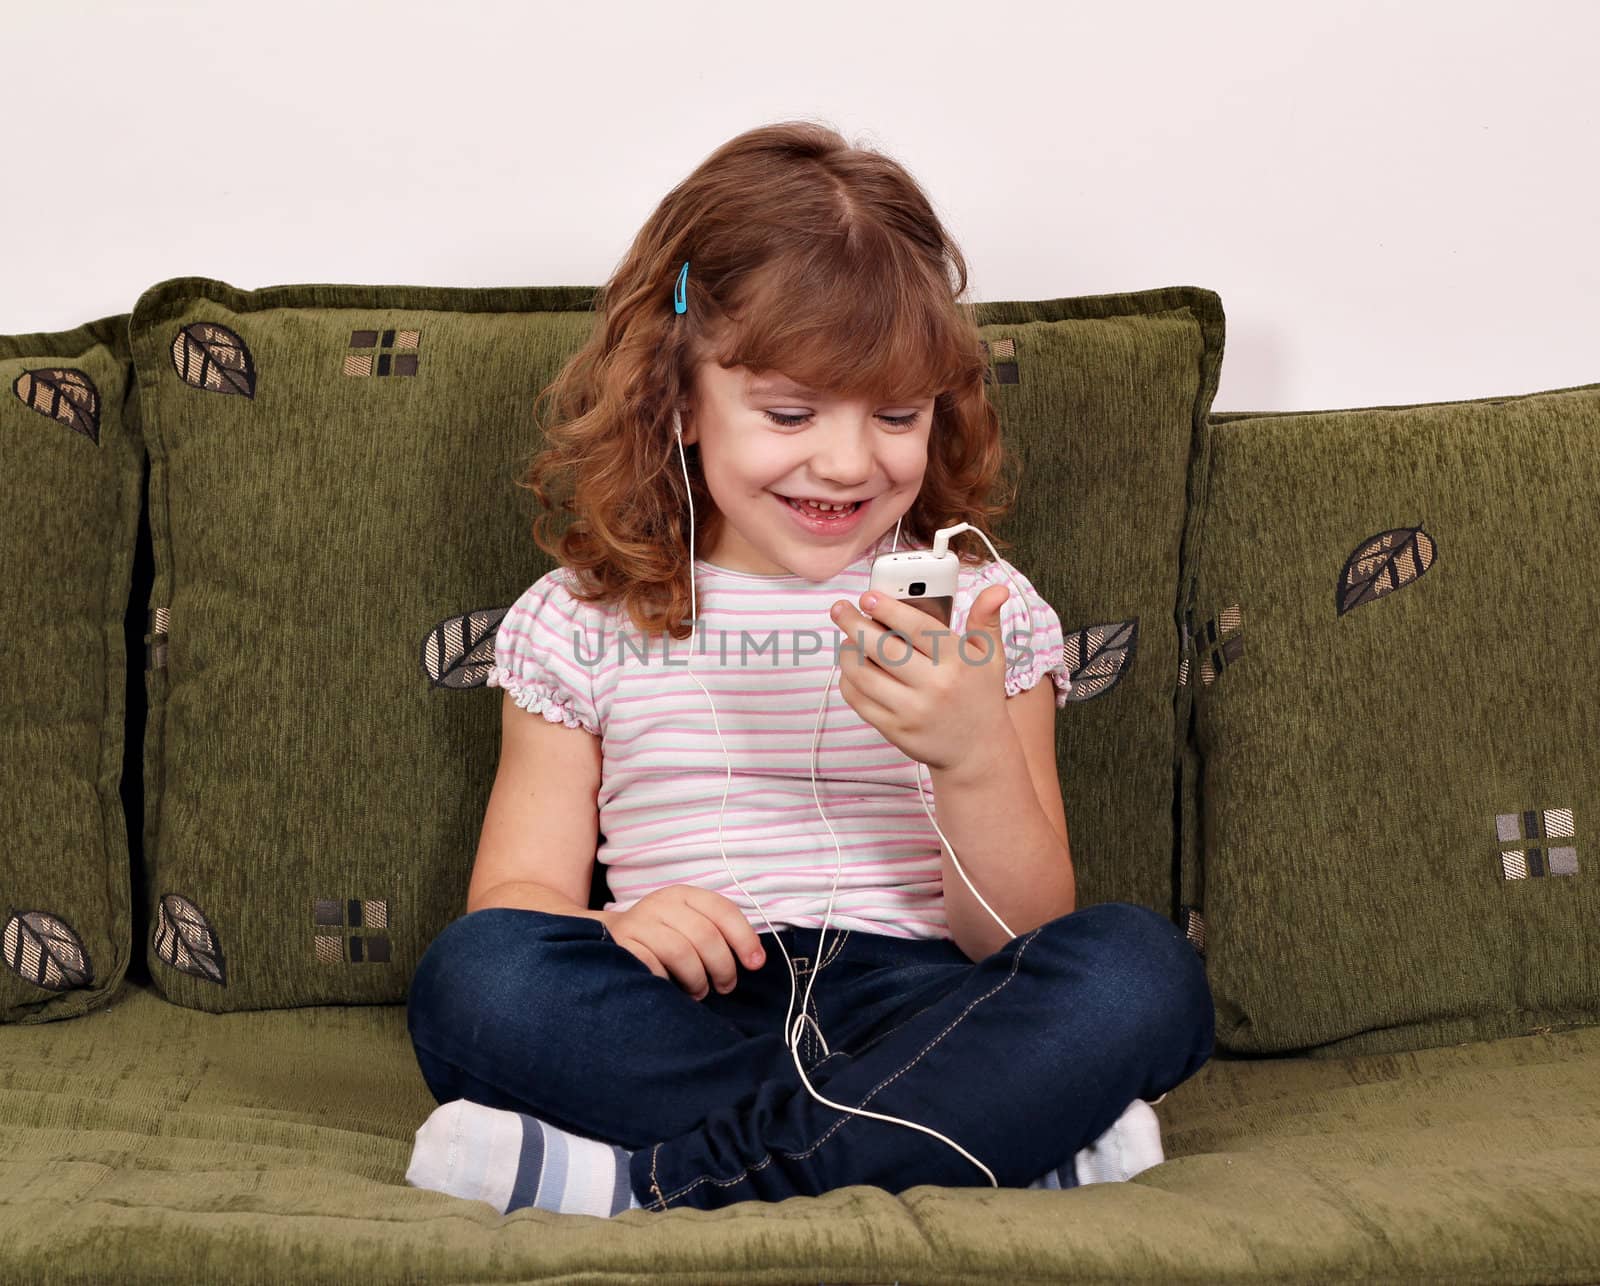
(792,1033)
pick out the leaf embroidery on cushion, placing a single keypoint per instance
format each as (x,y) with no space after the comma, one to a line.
(185,940)
(1382,564)
(458,652)
(212,357)
(45,950)
(1098,656)
(63,394)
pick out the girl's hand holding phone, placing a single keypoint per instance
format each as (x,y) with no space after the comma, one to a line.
(934,694)
(692,935)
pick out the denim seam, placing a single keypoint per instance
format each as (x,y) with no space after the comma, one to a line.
(1016,960)
(838,944)
(807,1049)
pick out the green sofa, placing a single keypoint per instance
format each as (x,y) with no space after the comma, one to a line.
(1332,712)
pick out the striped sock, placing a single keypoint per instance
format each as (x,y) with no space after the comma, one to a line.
(1131,1145)
(512,1160)
(1063,1176)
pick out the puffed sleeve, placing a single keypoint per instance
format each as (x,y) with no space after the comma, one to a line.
(540,653)
(1029,627)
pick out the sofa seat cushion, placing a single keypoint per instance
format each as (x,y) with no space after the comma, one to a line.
(151,1142)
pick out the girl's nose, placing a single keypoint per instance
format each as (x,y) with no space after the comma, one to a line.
(844,458)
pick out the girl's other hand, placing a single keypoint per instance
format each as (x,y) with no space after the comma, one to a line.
(937,695)
(689,934)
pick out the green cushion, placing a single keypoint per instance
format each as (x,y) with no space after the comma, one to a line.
(74,474)
(336,532)
(1105,416)
(1396,744)
(155,1143)
(334,549)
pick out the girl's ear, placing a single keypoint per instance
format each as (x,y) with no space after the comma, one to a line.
(686,422)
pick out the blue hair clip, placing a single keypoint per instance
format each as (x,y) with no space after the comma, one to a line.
(680,292)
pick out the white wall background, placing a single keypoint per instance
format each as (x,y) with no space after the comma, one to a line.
(1396,202)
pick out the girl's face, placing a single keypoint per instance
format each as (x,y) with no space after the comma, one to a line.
(763,438)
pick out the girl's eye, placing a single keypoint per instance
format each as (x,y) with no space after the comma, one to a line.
(793,421)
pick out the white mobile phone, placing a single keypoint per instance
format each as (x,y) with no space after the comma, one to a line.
(920,577)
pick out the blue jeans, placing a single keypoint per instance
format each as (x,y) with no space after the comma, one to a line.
(1023,1057)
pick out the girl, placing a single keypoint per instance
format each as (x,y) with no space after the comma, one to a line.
(649,1054)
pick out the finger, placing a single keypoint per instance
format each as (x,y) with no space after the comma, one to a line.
(737,931)
(869,644)
(712,942)
(874,712)
(884,688)
(712,958)
(683,955)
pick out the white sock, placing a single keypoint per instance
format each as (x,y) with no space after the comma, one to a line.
(511,1160)
(1132,1144)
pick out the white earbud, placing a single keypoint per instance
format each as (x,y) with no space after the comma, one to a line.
(792,1034)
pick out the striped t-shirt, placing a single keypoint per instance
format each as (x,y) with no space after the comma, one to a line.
(765,648)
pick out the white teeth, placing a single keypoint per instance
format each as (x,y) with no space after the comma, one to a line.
(815,504)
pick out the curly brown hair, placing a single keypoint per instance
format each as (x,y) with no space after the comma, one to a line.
(812,257)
